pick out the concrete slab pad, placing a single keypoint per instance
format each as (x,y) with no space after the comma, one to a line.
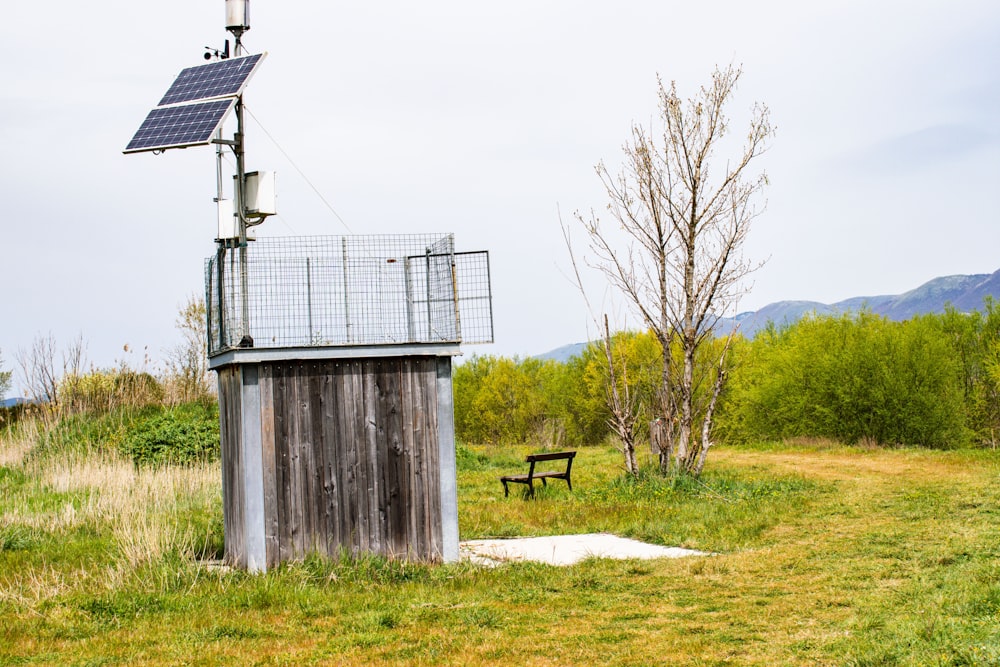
(565,549)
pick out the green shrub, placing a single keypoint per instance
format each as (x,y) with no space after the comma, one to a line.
(83,433)
(184,434)
(851,378)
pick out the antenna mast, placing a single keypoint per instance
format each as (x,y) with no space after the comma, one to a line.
(238,22)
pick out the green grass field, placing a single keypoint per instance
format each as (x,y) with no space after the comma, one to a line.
(824,555)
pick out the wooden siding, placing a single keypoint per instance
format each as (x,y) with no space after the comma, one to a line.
(233,502)
(350,458)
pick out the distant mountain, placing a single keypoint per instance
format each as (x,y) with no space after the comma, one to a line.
(11,402)
(964,293)
(564,353)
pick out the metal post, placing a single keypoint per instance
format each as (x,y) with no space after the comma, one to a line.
(309,299)
(347,307)
(454,296)
(220,272)
(219,193)
(239,149)
(411,331)
(489,293)
(427,266)
(221,254)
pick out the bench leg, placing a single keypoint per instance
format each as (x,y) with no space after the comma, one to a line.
(504,487)
(569,483)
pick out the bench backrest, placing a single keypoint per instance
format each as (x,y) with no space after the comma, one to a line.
(551,456)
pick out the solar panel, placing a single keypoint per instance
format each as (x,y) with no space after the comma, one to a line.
(225,78)
(180,126)
(195,105)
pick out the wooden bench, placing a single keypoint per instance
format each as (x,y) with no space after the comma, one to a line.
(530,478)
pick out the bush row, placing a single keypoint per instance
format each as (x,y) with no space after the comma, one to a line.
(932,381)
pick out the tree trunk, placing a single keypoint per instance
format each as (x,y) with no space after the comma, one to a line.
(623,413)
(668,412)
(686,426)
(659,436)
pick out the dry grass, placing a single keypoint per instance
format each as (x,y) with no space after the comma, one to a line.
(144,510)
(14,446)
(144,507)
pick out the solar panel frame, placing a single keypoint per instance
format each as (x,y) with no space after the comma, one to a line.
(225,78)
(181,125)
(195,105)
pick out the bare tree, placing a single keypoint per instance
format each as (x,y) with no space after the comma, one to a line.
(675,249)
(187,363)
(620,401)
(5,380)
(42,378)
(38,370)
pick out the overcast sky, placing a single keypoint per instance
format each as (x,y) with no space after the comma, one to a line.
(485,119)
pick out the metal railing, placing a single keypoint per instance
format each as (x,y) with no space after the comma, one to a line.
(347,290)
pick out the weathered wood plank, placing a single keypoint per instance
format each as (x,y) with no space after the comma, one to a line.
(395,463)
(415,494)
(379,467)
(346,500)
(360,492)
(328,473)
(431,460)
(303,421)
(270,463)
(317,493)
(407,489)
(283,455)
(235,531)
(298,466)
(369,447)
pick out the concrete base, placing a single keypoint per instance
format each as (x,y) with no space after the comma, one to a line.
(566,549)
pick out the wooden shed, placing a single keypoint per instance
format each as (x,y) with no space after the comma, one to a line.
(343,442)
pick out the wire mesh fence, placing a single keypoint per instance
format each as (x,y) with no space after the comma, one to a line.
(347,290)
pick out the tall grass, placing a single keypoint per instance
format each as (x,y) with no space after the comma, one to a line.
(146,509)
(17,441)
(100,517)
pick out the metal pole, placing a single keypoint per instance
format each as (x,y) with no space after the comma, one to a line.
(410,330)
(347,306)
(454,296)
(427,265)
(219,194)
(240,191)
(221,255)
(489,292)
(238,196)
(220,272)
(309,298)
